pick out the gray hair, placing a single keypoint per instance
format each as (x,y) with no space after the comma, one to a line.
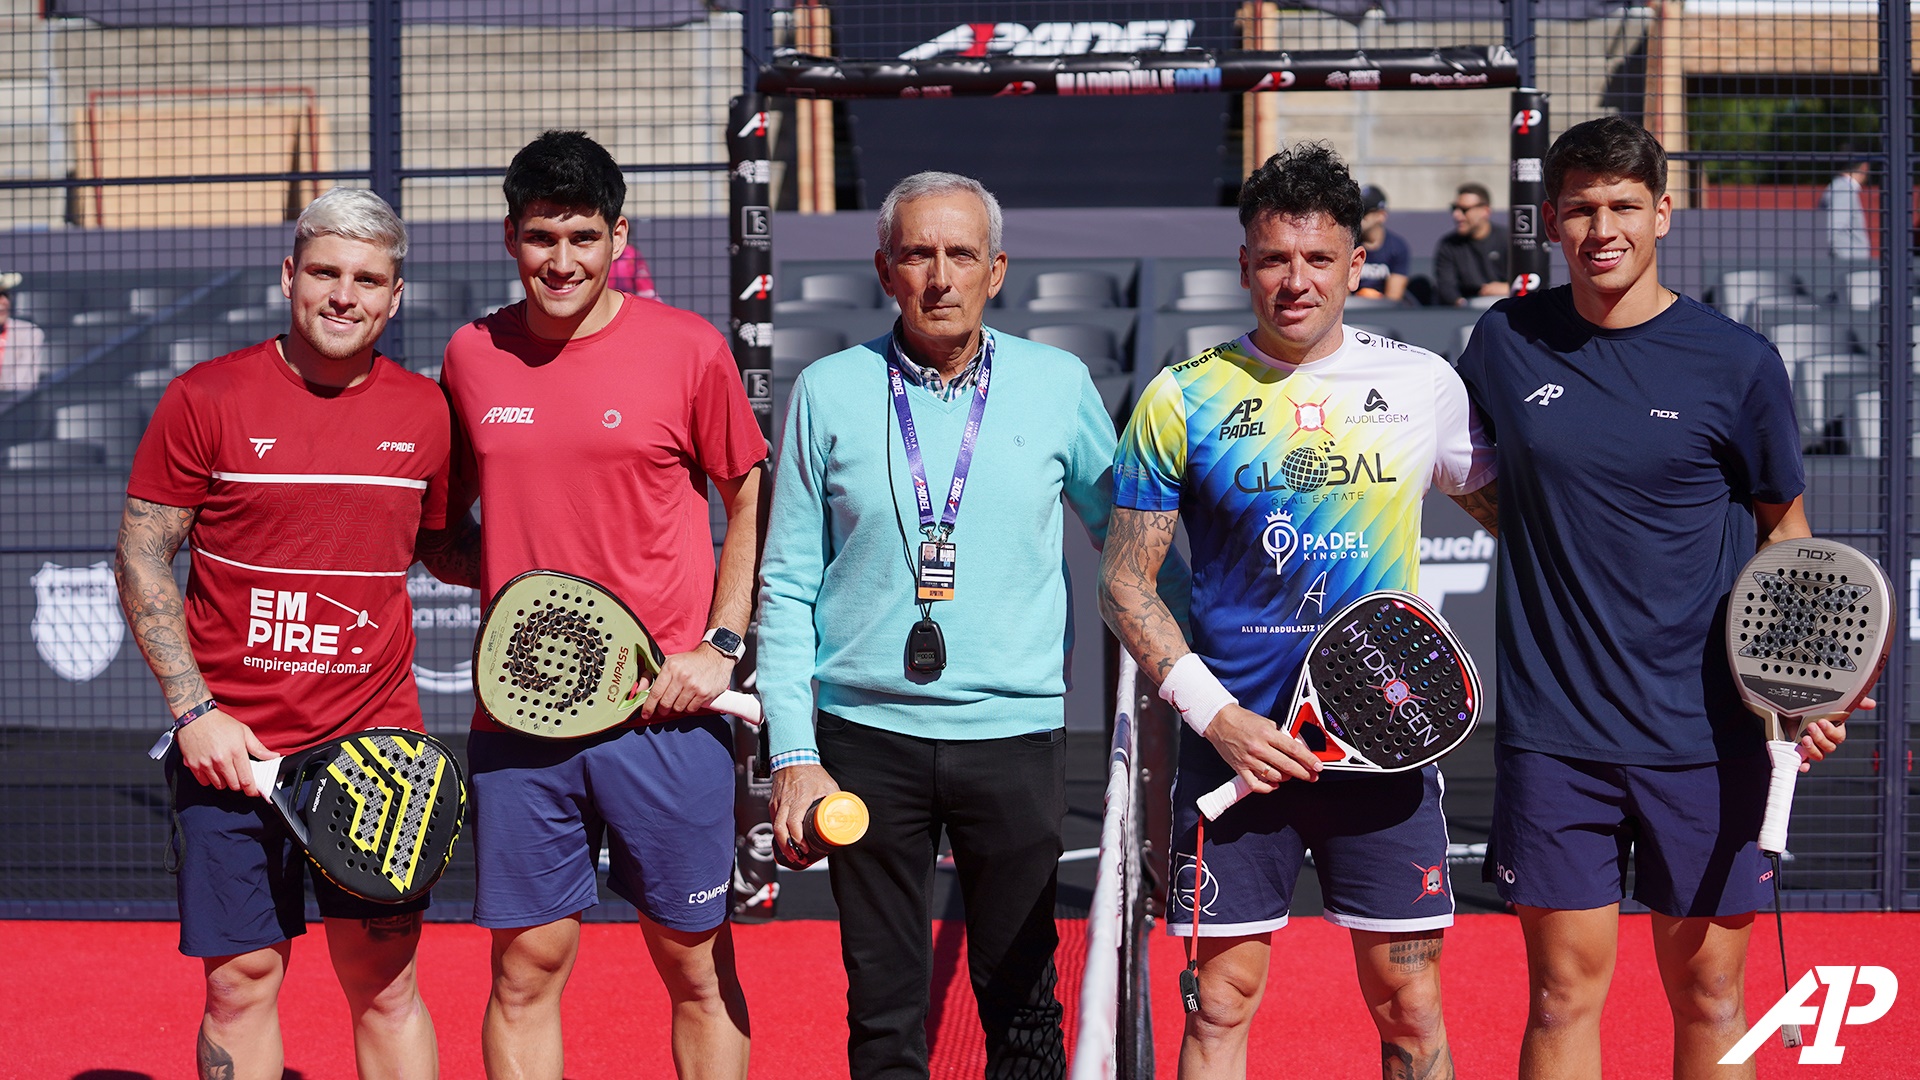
(356,214)
(926,185)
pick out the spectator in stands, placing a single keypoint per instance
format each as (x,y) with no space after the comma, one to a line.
(1472,259)
(309,407)
(1843,216)
(23,348)
(956,723)
(1389,260)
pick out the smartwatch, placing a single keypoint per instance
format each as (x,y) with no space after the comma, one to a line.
(727,642)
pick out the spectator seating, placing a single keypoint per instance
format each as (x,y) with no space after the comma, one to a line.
(1071,290)
(1094,345)
(1210,290)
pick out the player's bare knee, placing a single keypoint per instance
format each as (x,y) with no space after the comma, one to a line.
(1717,999)
(380,992)
(1413,1012)
(1553,1006)
(244,983)
(1227,1005)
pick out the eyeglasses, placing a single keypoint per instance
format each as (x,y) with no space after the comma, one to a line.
(1458,209)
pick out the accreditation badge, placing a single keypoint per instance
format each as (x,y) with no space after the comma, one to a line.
(935,579)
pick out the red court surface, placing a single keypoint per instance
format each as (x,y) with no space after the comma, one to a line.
(114,1001)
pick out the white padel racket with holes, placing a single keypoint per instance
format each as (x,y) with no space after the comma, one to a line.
(560,657)
(1809,625)
(1387,687)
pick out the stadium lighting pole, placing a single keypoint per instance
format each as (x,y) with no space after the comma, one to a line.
(1896,207)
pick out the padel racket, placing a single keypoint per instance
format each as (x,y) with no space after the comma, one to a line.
(560,657)
(1809,625)
(377,811)
(1386,688)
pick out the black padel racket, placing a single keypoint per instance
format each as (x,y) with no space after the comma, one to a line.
(377,811)
(560,657)
(1809,625)
(1386,688)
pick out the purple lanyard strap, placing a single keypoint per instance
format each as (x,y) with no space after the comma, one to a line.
(916,465)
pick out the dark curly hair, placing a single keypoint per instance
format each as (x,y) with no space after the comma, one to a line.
(1303,179)
(566,169)
(1610,148)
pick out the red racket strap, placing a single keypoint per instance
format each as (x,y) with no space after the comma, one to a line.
(1190,977)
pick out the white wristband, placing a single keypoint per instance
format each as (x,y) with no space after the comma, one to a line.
(1192,689)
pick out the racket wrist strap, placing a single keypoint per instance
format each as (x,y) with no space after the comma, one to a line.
(1195,693)
(194,713)
(165,742)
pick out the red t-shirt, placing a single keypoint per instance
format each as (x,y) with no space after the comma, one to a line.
(309,501)
(591,456)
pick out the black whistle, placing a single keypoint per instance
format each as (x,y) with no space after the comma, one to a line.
(926,648)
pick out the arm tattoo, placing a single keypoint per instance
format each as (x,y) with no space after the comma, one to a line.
(1399,1063)
(212,1061)
(1137,544)
(389,927)
(150,536)
(451,554)
(1484,505)
(1411,953)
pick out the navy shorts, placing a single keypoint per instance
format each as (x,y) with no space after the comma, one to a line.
(660,797)
(242,876)
(1379,847)
(1563,828)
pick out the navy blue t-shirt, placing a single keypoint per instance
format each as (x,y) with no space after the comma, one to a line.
(1629,460)
(1394,257)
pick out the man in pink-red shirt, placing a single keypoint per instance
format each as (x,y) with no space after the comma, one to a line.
(301,470)
(588,425)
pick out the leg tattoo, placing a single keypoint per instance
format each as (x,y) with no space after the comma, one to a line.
(213,1061)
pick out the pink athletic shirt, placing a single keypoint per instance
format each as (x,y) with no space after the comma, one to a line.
(309,501)
(591,457)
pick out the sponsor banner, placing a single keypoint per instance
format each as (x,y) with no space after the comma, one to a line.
(1143,73)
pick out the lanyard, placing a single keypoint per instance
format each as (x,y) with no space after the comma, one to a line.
(916,465)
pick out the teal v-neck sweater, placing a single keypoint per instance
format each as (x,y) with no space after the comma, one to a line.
(837,590)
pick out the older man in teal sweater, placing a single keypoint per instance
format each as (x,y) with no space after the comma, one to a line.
(914,629)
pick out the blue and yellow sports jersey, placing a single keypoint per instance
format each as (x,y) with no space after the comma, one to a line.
(1300,488)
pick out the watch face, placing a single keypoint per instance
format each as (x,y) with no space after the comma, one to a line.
(725,640)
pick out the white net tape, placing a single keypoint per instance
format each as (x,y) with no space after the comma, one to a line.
(1096,1049)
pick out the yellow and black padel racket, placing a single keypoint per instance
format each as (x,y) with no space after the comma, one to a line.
(560,657)
(377,811)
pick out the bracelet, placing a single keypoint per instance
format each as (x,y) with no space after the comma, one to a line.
(194,713)
(1193,690)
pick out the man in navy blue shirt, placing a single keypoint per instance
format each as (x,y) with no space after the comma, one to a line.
(1389,260)
(1645,444)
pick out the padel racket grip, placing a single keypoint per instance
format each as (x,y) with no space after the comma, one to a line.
(735,703)
(1786,772)
(265,773)
(1215,802)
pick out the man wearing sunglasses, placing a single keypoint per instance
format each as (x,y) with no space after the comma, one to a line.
(1472,259)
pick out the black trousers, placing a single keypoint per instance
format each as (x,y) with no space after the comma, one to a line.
(1001,802)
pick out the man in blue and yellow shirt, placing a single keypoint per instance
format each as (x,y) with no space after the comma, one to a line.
(1297,457)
